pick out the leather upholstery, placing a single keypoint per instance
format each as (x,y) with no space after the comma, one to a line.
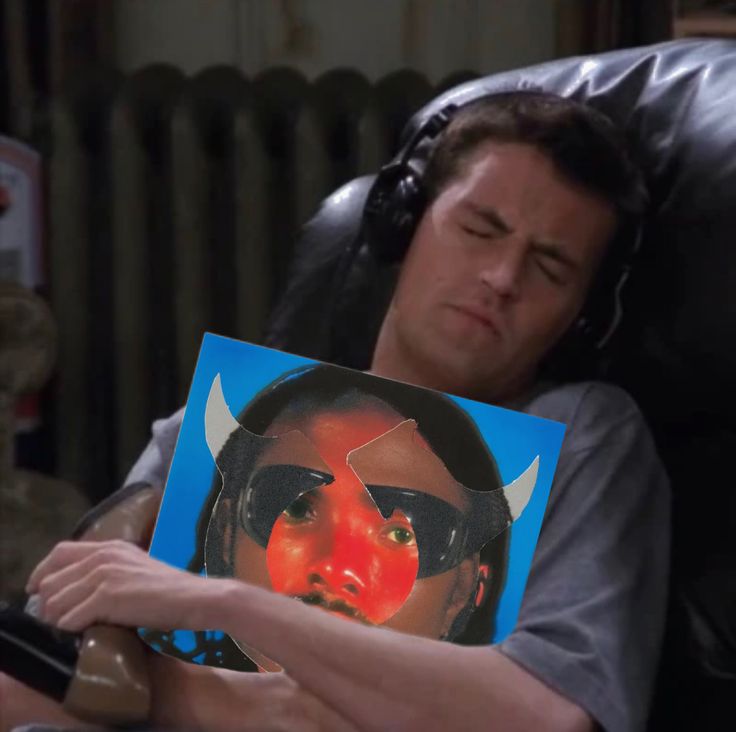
(675,350)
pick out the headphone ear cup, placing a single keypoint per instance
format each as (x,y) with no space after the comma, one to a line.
(392,212)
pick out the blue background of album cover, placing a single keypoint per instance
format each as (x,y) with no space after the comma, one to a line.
(514,438)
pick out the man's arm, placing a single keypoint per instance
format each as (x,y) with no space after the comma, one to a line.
(202,698)
(375,678)
(384,680)
(192,697)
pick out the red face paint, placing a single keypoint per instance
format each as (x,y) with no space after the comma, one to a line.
(332,547)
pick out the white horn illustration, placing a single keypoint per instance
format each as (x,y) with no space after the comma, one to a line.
(519,491)
(219,423)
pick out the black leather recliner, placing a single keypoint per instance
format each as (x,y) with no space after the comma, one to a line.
(675,350)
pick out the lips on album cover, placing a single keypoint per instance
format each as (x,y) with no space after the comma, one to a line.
(378,502)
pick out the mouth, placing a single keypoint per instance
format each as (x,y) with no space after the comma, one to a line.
(336,606)
(480,316)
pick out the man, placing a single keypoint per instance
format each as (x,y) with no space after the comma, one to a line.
(526,196)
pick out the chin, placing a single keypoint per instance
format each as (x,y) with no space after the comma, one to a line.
(462,376)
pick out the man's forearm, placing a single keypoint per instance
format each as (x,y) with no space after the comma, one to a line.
(188,696)
(384,680)
(192,697)
(374,678)
(342,677)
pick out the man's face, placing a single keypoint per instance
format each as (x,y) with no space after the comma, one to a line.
(497,271)
(333,548)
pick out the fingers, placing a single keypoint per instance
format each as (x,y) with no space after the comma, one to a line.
(60,555)
(55,585)
(117,583)
(58,600)
(71,552)
(81,615)
(75,572)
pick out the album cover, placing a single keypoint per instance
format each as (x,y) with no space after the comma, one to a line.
(378,502)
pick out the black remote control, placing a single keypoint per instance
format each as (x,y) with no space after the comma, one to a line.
(36,653)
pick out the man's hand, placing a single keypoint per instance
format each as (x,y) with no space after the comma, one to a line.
(115,582)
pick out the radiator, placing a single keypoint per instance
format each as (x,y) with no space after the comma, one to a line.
(173,203)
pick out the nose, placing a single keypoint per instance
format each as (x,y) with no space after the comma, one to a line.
(502,270)
(343,568)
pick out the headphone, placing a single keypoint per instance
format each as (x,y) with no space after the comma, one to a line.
(398,199)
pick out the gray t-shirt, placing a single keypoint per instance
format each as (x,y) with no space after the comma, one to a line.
(592,618)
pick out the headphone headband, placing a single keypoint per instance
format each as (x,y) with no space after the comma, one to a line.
(428,129)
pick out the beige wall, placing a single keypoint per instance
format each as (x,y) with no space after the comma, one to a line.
(435,37)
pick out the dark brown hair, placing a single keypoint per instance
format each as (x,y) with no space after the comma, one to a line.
(584,145)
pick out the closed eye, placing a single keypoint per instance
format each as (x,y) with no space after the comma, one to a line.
(548,270)
(553,261)
(479,233)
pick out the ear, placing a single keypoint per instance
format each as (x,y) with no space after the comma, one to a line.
(462,594)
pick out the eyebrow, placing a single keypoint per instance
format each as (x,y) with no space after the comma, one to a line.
(490,216)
